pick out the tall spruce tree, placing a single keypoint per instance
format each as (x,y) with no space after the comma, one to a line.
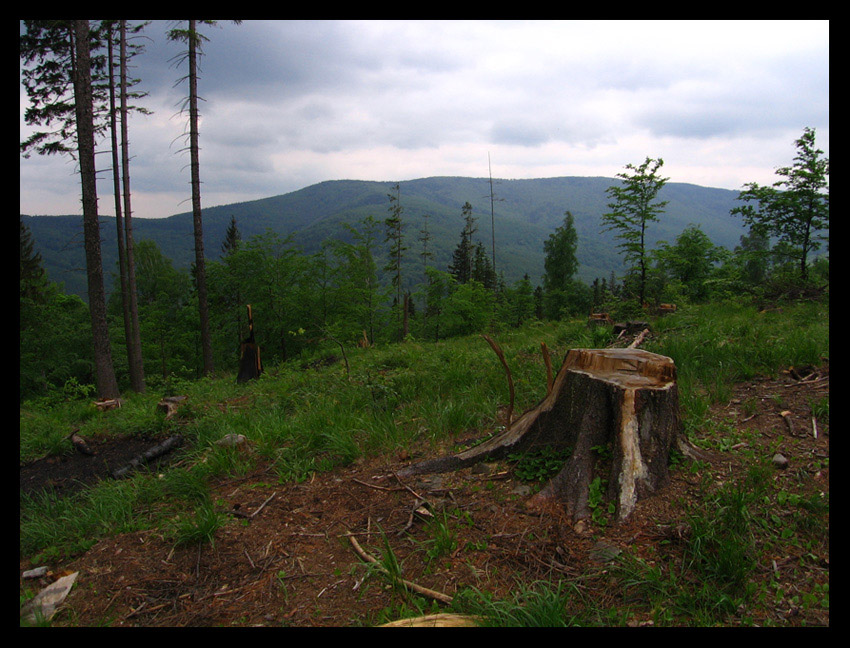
(560,264)
(33,278)
(116,32)
(107,385)
(194,39)
(463,257)
(58,72)
(395,237)
(232,238)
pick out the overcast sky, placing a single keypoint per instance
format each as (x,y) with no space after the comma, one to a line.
(288,104)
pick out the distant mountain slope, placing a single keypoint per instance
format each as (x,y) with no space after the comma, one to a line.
(526,213)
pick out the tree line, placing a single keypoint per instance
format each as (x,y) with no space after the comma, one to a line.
(177,325)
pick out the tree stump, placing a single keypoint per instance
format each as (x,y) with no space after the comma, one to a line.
(622,399)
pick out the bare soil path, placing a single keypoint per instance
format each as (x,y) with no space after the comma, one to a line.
(293,564)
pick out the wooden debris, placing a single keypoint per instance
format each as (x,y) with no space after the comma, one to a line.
(665,309)
(548,362)
(149,455)
(501,355)
(639,339)
(446,620)
(600,319)
(424,591)
(108,404)
(250,364)
(623,397)
(80,444)
(250,516)
(363,342)
(169,405)
(786,415)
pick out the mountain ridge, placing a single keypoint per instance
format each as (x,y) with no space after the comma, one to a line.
(526,212)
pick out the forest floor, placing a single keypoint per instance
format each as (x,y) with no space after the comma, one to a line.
(293,563)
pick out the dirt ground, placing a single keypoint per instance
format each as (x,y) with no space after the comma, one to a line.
(293,563)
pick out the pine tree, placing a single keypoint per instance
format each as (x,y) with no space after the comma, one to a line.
(123,216)
(232,238)
(395,237)
(463,257)
(193,40)
(59,70)
(107,384)
(32,276)
(482,268)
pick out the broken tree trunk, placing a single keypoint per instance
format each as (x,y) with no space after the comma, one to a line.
(250,366)
(622,399)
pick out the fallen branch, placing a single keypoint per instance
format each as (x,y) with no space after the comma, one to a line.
(262,506)
(639,339)
(424,591)
(548,362)
(435,621)
(501,355)
(157,451)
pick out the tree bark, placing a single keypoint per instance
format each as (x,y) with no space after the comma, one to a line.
(625,400)
(194,148)
(107,385)
(137,372)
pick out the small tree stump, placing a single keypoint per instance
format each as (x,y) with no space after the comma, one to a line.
(622,399)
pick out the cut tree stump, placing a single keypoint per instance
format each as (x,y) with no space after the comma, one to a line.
(622,399)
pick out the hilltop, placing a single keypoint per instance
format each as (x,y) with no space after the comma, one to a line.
(526,213)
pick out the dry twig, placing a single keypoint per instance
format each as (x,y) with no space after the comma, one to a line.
(501,355)
(438,596)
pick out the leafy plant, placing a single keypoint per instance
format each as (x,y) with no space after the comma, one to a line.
(538,465)
(443,540)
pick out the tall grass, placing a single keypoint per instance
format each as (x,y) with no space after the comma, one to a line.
(409,395)
(717,345)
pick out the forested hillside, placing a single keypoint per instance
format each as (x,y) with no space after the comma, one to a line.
(526,213)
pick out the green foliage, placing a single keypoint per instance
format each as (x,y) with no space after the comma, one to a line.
(560,263)
(794,209)
(632,211)
(535,605)
(55,344)
(200,528)
(538,465)
(691,263)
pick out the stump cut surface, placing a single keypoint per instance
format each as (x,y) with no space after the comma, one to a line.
(625,400)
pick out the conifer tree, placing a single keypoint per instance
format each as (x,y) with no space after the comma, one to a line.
(33,278)
(193,39)
(464,255)
(395,237)
(232,238)
(107,384)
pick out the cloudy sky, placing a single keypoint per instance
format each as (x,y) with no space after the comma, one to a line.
(288,104)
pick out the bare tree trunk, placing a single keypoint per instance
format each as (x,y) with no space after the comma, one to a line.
(107,386)
(137,372)
(130,336)
(200,266)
